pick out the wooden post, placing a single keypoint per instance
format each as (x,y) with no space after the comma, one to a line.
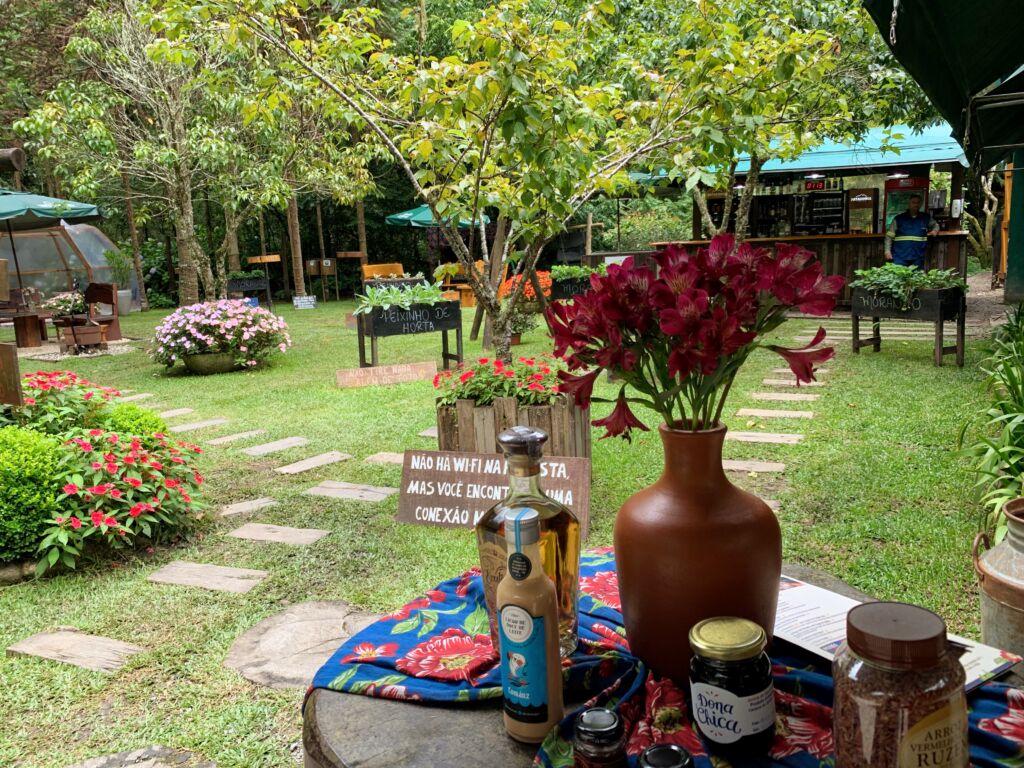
(263,233)
(323,251)
(588,243)
(361,230)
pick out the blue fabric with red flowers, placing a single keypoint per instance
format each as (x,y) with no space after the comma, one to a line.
(437,649)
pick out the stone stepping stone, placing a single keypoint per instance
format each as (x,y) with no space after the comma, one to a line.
(135,398)
(175,412)
(216,577)
(789,371)
(199,425)
(279,534)
(784,397)
(775,438)
(331,457)
(150,757)
(275,446)
(335,489)
(385,458)
(237,436)
(432,432)
(734,465)
(241,507)
(286,650)
(791,383)
(775,505)
(762,413)
(69,646)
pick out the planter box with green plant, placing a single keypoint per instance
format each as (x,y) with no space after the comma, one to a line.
(399,310)
(570,280)
(242,281)
(404,280)
(907,293)
(478,400)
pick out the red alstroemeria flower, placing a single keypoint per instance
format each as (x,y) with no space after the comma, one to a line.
(580,387)
(369,651)
(453,655)
(620,421)
(803,360)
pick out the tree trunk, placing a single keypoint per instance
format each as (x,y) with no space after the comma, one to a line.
(743,212)
(295,244)
(361,228)
(172,273)
(185,235)
(133,233)
(263,233)
(232,221)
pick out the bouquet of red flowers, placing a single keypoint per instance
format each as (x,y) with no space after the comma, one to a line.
(677,335)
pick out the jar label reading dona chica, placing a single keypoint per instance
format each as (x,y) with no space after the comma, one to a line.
(724,718)
(937,741)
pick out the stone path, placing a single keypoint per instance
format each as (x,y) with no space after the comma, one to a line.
(432,432)
(286,650)
(241,507)
(150,757)
(738,465)
(135,398)
(784,397)
(763,413)
(279,534)
(789,371)
(199,425)
(385,458)
(323,460)
(175,412)
(791,383)
(339,490)
(69,646)
(764,437)
(215,577)
(275,446)
(237,436)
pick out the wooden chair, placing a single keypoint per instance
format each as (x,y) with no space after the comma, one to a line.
(104,293)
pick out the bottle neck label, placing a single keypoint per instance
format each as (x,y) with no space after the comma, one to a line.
(519,566)
(524,670)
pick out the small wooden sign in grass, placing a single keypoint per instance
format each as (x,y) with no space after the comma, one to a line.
(385,374)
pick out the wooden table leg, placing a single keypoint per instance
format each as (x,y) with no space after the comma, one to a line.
(876,333)
(26,331)
(856,334)
(961,332)
(938,342)
(361,333)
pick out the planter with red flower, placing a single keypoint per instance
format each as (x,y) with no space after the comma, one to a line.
(480,399)
(675,334)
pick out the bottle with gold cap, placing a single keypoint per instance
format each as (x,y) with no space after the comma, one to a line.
(559,533)
(732,698)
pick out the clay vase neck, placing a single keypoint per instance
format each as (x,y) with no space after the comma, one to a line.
(693,460)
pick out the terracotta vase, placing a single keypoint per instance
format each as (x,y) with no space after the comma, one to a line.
(690,547)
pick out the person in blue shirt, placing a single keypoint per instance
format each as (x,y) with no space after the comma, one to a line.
(906,241)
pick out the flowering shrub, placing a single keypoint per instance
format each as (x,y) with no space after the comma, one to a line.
(116,489)
(532,381)
(509,286)
(64,303)
(679,336)
(58,402)
(251,334)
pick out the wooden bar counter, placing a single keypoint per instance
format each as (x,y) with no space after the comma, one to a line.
(842,254)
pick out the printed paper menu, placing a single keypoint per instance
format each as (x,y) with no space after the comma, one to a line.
(815,619)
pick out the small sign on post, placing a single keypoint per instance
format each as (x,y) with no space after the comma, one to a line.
(453,490)
(304,302)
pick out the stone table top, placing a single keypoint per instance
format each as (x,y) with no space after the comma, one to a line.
(344,730)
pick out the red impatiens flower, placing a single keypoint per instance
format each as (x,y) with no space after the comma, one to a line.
(70,488)
(95,432)
(110,521)
(134,482)
(97,517)
(75,523)
(803,360)
(29,400)
(621,420)
(110,467)
(453,655)
(467,375)
(369,651)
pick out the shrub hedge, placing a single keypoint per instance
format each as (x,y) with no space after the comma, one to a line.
(28,490)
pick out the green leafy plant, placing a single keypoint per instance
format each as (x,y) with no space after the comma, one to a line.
(28,489)
(121,268)
(524,318)
(531,380)
(251,334)
(401,296)
(114,491)
(252,274)
(58,403)
(900,283)
(576,272)
(451,269)
(133,420)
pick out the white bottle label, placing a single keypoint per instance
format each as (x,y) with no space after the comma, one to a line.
(725,718)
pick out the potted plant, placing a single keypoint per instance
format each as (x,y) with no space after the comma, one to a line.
(241,281)
(907,292)
(478,400)
(121,270)
(65,304)
(692,545)
(567,280)
(219,336)
(524,318)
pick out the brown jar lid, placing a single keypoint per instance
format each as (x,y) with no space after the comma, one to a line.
(896,634)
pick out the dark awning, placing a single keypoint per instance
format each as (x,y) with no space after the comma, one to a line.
(966,57)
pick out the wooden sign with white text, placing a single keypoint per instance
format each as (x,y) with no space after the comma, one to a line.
(454,490)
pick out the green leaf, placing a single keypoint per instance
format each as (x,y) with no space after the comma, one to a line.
(338,683)
(408,625)
(478,622)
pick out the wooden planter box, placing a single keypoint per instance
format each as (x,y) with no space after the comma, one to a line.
(566,288)
(470,428)
(444,316)
(930,305)
(248,284)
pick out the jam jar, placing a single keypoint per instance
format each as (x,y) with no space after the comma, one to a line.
(665,756)
(600,741)
(732,698)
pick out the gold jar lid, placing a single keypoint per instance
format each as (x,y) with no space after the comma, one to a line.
(727,638)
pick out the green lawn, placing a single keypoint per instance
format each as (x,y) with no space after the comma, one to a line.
(875,494)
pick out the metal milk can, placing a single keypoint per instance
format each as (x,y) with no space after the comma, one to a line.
(1001,575)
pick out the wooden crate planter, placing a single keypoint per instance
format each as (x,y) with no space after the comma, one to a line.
(444,316)
(468,427)
(567,287)
(932,305)
(248,284)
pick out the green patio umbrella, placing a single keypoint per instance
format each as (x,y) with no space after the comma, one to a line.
(423,218)
(967,58)
(23,210)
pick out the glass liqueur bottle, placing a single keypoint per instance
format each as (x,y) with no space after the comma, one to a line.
(559,533)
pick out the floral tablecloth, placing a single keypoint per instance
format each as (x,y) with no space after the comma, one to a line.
(437,649)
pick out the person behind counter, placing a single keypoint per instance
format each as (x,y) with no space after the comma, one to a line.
(906,240)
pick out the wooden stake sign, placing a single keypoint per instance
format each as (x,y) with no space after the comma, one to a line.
(454,490)
(10,379)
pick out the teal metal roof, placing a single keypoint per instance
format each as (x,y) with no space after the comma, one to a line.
(930,145)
